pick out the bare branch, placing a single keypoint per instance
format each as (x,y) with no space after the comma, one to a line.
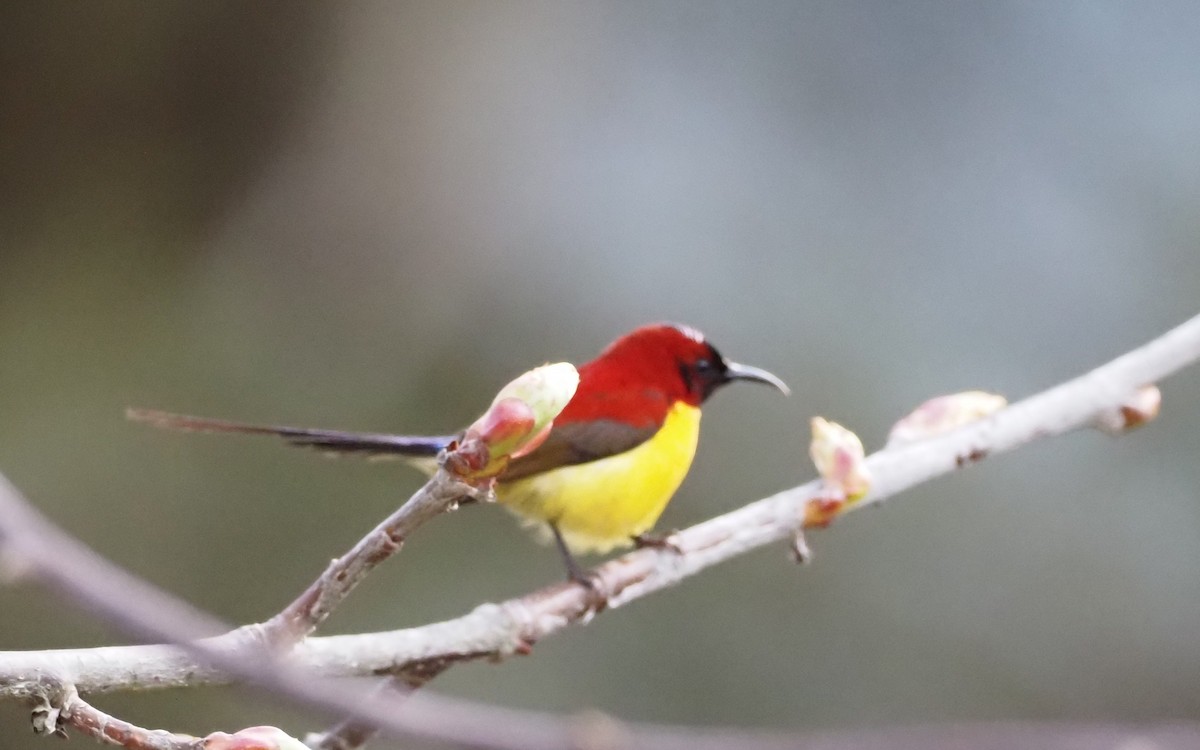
(511,627)
(33,547)
(92,722)
(352,733)
(514,626)
(30,546)
(474,726)
(441,493)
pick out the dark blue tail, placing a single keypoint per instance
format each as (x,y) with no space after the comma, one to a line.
(333,441)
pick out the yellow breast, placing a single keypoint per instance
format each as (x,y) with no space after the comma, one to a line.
(600,505)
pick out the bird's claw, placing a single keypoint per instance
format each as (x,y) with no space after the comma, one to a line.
(657,541)
(596,596)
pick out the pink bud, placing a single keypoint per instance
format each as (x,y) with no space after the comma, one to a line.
(517,422)
(943,414)
(504,427)
(839,457)
(253,738)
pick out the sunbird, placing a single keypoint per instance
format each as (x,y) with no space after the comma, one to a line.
(613,458)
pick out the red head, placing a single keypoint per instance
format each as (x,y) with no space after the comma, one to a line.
(643,373)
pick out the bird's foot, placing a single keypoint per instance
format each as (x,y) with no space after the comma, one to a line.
(596,594)
(651,540)
(590,580)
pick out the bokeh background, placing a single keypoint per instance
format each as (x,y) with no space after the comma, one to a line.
(371,215)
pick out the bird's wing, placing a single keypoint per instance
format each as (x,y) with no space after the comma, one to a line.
(371,445)
(578,443)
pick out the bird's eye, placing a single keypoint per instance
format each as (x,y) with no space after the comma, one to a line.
(704,365)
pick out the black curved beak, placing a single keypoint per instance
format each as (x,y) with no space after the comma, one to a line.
(734,371)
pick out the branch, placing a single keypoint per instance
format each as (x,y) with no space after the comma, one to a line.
(32,546)
(62,705)
(474,726)
(496,630)
(442,493)
(513,627)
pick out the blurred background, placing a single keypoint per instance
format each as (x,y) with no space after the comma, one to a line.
(371,215)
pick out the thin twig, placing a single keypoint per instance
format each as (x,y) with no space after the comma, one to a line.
(351,733)
(57,705)
(32,547)
(473,726)
(102,727)
(443,492)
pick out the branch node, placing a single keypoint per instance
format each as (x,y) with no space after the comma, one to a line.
(821,510)
(1140,407)
(975,455)
(51,700)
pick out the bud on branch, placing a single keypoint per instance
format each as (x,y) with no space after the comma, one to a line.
(517,422)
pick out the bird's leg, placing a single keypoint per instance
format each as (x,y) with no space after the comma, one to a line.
(575,571)
(650,540)
(597,597)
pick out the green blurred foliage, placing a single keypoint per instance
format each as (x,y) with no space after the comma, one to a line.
(371,216)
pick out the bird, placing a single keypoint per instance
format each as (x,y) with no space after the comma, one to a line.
(612,460)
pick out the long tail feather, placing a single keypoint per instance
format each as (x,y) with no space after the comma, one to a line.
(371,445)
